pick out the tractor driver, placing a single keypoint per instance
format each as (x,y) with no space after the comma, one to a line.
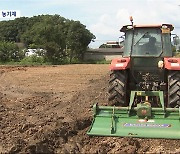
(150,46)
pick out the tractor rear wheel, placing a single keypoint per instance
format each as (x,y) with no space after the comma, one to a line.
(174,89)
(117,88)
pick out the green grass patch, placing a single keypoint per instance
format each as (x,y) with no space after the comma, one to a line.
(36,60)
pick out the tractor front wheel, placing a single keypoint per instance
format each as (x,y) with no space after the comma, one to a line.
(117,88)
(174,89)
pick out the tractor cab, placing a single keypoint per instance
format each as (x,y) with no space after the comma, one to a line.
(147,40)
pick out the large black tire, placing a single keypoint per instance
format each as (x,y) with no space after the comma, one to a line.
(117,88)
(174,89)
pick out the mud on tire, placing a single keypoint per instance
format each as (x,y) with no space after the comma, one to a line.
(117,88)
(174,89)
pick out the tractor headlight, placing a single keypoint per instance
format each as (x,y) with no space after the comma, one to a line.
(161,64)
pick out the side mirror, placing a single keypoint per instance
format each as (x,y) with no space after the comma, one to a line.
(121,40)
(176,43)
(176,40)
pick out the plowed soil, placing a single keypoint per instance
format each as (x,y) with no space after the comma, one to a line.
(48,110)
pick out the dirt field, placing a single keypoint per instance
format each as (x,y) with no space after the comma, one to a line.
(48,110)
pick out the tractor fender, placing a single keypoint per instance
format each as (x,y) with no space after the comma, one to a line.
(120,64)
(172,63)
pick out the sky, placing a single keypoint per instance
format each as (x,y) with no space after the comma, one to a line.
(103,18)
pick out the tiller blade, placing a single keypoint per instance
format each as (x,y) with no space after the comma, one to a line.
(141,121)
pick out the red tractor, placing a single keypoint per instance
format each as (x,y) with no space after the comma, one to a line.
(144,87)
(147,64)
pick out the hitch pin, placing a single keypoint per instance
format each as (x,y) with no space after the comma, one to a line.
(146,99)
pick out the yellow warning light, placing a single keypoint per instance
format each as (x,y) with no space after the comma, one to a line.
(131,18)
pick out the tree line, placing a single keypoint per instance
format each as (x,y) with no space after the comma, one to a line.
(61,39)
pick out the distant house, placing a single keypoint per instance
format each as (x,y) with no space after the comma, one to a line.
(114,44)
(30,52)
(36,52)
(108,51)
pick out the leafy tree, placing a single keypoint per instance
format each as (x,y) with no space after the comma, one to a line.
(9,52)
(61,38)
(78,38)
(49,37)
